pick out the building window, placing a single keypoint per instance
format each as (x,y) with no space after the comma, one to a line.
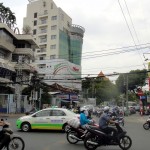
(35,15)
(53,46)
(43,39)
(45,12)
(43,30)
(53,27)
(52,56)
(35,22)
(62,17)
(34,31)
(68,24)
(54,18)
(53,37)
(42,65)
(41,58)
(51,5)
(43,21)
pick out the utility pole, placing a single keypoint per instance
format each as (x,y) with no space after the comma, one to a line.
(18,87)
(127,94)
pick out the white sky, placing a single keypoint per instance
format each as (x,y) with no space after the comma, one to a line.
(105,28)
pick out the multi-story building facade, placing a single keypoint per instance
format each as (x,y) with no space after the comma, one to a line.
(16,53)
(60,43)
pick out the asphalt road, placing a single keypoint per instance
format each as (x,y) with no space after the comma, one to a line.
(54,140)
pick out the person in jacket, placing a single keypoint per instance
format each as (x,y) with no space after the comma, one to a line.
(104,121)
(83,118)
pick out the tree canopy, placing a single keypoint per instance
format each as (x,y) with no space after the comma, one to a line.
(136,78)
(7,16)
(100,88)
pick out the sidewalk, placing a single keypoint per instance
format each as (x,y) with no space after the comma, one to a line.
(5,115)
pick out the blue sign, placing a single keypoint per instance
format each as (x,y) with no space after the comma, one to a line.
(142,97)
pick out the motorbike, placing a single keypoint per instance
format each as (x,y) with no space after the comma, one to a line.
(15,142)
(146,125)
(76,134)
(96,138)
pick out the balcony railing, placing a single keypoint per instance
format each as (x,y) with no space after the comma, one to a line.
(24,66)
(24,51)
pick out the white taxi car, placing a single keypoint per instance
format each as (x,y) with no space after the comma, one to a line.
(48,119)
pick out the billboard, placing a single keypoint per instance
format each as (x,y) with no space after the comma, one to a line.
(62,72)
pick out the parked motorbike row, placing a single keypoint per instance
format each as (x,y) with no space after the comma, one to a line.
(14,142)
(94,137)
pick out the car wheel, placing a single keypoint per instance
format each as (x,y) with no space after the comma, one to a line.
(25,127)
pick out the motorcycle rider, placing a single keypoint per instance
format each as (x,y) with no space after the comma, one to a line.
(3,137)
(83,118)
(104,120)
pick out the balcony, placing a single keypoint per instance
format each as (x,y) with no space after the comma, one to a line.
(7,65)
(5,80)
(43,23)
(24,51)
(42,33)
(6,45)
(40,52)
(25,67)
(76,29)
(43,15)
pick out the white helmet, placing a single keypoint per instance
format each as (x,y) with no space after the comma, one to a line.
(82,109)
(106,108)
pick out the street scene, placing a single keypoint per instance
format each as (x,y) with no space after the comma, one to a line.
(74,74)
(57,140)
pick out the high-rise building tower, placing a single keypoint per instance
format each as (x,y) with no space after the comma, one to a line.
(60,43)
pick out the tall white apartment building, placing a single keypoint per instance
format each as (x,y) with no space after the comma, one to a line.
(58,59)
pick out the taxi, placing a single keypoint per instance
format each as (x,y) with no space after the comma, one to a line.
(47,119)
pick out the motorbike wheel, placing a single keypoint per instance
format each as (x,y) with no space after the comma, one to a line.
(146,126)
(125,142)
(70,139)
(66,128)
(90,138)
(16,143)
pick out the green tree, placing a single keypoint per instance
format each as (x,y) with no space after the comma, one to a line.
(101,88)
(37,84)
(7,16)
(106,91)
(136,78)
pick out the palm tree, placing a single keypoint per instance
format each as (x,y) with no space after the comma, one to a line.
(6,16)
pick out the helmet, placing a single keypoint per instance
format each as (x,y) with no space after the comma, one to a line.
(106,109)
(83,109)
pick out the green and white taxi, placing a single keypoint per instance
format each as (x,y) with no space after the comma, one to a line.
(48,119)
